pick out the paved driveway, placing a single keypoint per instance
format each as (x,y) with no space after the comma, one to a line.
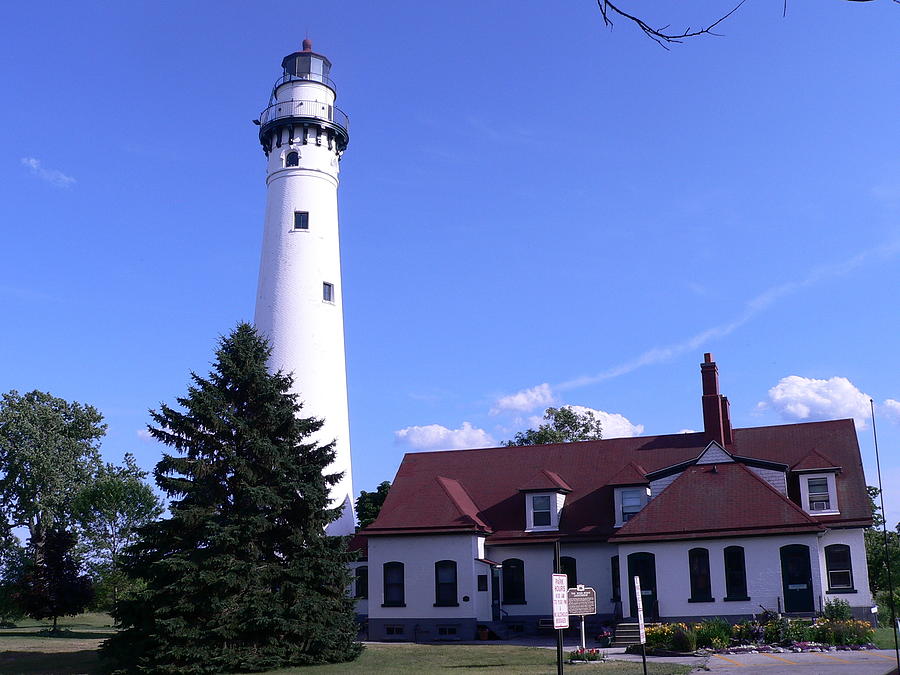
(869,662)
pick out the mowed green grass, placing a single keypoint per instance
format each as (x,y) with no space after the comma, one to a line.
(445,659)
(27,649)
(884,638)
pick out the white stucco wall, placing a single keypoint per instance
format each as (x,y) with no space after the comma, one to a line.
(762,558)
(419,554)
(855,539)
(592,564)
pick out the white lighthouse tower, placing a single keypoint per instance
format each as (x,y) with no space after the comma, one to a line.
(299,297)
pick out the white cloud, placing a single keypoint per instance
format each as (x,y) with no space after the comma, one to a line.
(804,398)
(614,425)
(525,400)
(892,408)
(437,437)
(52,176)
(144,435)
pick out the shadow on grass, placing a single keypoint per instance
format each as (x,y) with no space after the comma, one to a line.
(64,634)
(38,663)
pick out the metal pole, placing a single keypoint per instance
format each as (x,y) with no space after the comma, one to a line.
(583,644)
(644,656)
(887,561)
(557,569)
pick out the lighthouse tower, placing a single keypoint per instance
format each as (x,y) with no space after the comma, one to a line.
(299,296)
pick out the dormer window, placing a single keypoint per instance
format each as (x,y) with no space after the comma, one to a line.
(818,494)
(542,511)
(630,500)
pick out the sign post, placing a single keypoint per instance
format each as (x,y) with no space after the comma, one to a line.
(640,617)
(582,600)
(558,583)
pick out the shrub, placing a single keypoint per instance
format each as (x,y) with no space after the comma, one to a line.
(844,632)
(684,640)
(776,630)
(714,633)
(660,637)
(747,632)
(837,610)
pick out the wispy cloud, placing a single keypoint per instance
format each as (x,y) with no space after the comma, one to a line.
(144,435)
(892,408)
(752,308)
(53,176)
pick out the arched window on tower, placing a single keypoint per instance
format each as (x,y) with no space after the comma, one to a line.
(292,159)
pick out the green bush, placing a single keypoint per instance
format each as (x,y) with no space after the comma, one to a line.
(799,630)
(837,610)
(844,632)
(776,630)
(684,640)
(747,632)
(714,633)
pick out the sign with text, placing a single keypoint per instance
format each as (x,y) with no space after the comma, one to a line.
(559,583)
(582,600)
(640,608)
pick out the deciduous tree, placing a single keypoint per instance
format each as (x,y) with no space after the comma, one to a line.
(241,577)
(368,504)
(52,585)
(562,425)
(48,452)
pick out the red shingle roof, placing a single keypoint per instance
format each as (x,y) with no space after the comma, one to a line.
(630,474)
(491,478)
(708,499)
(546,480)
(814,460)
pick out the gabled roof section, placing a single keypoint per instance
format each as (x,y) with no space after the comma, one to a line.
(630,474)
(815,461)
(714,454)
(711,501)
(461,500)
(546,481)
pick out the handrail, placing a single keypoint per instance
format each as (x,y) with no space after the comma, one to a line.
(313,109)
(303,77)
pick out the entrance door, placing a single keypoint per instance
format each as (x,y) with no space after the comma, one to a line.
(495,593)
(796,578)
(643,565)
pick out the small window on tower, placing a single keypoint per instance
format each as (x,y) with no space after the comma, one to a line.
(327,292)
(301,220)
(292,159)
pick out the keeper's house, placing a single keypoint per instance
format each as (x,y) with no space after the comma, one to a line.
(714,523)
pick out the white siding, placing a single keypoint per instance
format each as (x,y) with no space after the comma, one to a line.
(714,454)
(592,562)
(762,558)
(419,554)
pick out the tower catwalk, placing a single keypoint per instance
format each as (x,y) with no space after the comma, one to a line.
(299,297)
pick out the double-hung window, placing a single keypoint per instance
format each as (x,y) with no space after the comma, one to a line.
(818,493)
(840,568)
(393,584)
(445,583)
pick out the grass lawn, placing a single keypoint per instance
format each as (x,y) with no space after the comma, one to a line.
(27,649)
(884,638)
(426,659)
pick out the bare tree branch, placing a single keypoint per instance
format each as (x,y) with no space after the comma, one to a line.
(660,35)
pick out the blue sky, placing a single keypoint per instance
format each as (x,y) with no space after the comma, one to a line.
(535,209)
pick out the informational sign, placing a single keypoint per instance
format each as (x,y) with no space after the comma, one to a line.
(640,608)
(559,584)
(582,600)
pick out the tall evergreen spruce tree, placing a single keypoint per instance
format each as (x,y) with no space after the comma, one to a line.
(241,577)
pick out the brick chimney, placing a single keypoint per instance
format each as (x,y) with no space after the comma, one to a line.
(716,411)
